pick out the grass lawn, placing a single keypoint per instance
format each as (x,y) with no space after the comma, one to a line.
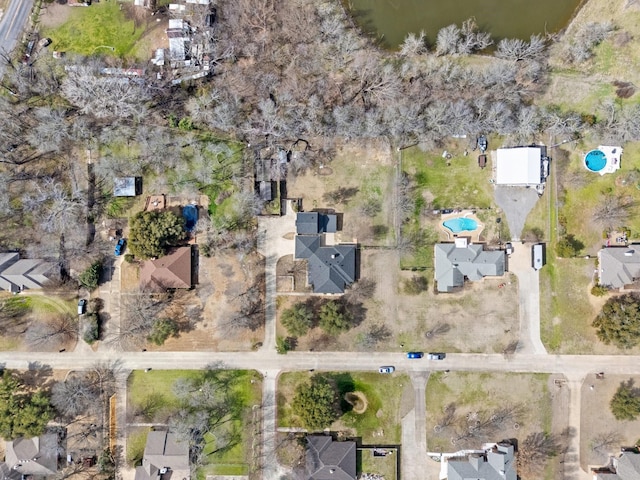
(101,28)
(462,184)
(481,394)
(385,466)
(136,441)
(156,387)
(379,424)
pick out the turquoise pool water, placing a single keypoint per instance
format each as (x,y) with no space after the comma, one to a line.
(461,224)
(595,160)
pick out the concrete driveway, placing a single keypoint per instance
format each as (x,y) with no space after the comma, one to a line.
(529,299)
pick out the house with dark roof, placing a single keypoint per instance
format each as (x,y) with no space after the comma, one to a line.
(18,274)
(626,466)
(619,266)
(455,262)
(35,458)
(329,460)
(331,268)
(174,270)
(165,458)
(497,462)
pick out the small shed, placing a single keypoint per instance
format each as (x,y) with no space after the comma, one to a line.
(125,187)
(482,161)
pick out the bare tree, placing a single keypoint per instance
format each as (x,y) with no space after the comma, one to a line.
(580,49)
(613,211)
(534,452)
(413,44)
(604,442)
(516,49)
(139,311)
(56,208)
(77,395)
(53,332)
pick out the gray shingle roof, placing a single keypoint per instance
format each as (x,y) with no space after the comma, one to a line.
(164,450)
(329,460)
(619,266)
(37,456)
(331,268)
(452,264)
(495,464)
(628,467)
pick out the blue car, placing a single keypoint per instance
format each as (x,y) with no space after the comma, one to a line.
(119,247)
(415,354)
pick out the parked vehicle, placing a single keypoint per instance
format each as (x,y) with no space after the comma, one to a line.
(482,143)
(508,247)
(388,369)
(436,356)
(119,247)
(82,306)
(415,354)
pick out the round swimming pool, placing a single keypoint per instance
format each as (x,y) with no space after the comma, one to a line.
(595,160)
(461,224)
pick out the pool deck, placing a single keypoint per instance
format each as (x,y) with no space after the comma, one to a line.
(613,156)
(473,235)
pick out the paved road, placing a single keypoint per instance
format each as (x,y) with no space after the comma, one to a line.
(12,24)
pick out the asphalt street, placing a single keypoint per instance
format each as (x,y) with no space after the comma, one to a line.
(12,25)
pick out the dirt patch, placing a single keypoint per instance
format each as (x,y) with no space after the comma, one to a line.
(54,15)
(358,402)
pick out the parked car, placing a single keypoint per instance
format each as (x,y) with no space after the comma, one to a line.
(508,247)
(119,247)
(415,354)
(436,356)
(388,369)
(82,306)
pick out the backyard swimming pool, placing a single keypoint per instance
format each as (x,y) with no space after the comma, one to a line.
(461,224)
(595,160)
(190,214)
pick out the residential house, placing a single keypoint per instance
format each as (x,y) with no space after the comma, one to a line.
(179,34)
(175,270)
(522,166)
(624,467)
(619,266)
(455,262)
(329,460)
(496,462)
(35,458)
(165,458)
(18,274)
(331,267)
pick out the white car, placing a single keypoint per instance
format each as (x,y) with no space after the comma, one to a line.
(436,356)
(388,369)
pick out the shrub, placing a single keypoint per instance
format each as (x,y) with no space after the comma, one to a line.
(91,328)
(619,321)
(599,290)
(129,257)
(334,319)
(415,285)
(162,329)
(282,345)
(91,276)
(569,246)
(297,319)
(625,403)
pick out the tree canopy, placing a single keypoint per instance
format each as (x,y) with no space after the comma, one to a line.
(625,403)
(297,319)
(152,232)
(334,319)
(22,413)
(316,403)
(619,321)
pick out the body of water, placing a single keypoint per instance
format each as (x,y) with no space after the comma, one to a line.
(393,19)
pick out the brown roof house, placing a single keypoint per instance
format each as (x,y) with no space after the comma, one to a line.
(329,460)
(35,458)
(165,458)
(174,270)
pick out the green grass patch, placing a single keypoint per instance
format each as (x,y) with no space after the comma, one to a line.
(101,28)
(227,448)
(42,304)
(385,466)
(462,184)
(136,441)
(378,424)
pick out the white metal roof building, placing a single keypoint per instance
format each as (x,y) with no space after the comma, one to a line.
(520,166)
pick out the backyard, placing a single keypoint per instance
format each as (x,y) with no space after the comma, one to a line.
(388,398)
(155,397)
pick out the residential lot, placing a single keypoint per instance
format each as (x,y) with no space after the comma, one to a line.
(465,410)
(155,397)
(387,399)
